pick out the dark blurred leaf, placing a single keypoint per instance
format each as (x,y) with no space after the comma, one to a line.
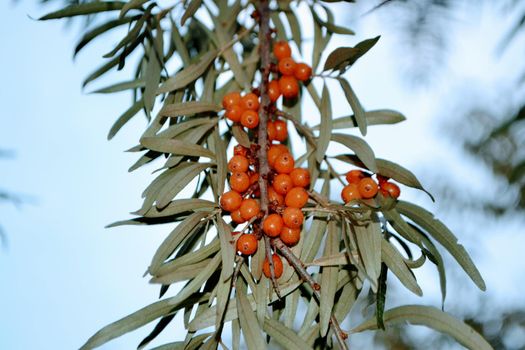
(381,297)
(193,6)
(343,57)
(132,4)
(84,9)
(95,32)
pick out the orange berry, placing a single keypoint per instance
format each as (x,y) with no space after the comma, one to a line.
(354,176)
(254,177)
(284,163)
(240,150)
(275,197)
(250,119)
(300,177)
(273,90)
(302,71)
(381,179)
(367,187)
(239,182)
(237,217)
(231,201)
(290,236)
(288,86)
(273,152)
(272,132)
(287,66)
(293,217)
(272,225)
(250,101)
(350,192)
(282,183)
(281,49)
(391,188)
(231,99)
(277,267)
(247,244)
(238,164)
(234,113)
(249,208)
(297,197)
(281,130)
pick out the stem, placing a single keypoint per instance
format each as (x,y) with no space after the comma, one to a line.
(301,270)
(265,39)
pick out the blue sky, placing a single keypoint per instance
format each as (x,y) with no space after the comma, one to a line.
(64,276)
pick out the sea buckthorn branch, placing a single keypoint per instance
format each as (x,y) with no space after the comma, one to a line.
(300,268)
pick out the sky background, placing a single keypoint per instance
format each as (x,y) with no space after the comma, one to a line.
(63,275)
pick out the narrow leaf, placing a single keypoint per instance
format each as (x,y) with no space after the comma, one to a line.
(176,147)
(325,131)
(84,9)
(124,118)
(352,99)
(362,150)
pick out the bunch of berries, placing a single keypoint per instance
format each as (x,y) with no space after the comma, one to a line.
(286,196)
(242,109)
(290,72)
(362,186)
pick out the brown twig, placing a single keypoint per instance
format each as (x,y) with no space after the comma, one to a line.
(298,265)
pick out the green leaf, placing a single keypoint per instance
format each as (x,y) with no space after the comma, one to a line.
(176,147)
(175,238)
(331,27)
(343,57)
(294,26)
(249,325)
(129,38)
(444,236)
(188,74)
(375,117)
(287,338)
(227,250)
(183,273)
(433,318)
(95,32)
(125,117)
(192,7)
(221,159)
(360,147)
(153,70)
(394,260)
(126,85)
(179,181)
(132,4)
(178,206)
(241,136)
(139,319)
(352,99)
(188,108)
(328,278)
(381,297)
(369,244)
(325,132)
(84,9)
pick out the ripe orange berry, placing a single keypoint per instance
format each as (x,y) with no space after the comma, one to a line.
(250,101)
(281,130)
(300,177)
(381,179)
(275,197)
(272,133)
(297,197)
(234,113)
(249,208)
(240,150)
(273,90)
(284,163)
(231,201)
(282,183)
(354,176)
(231,99)
(293,217)
(237,217)
(272,225)
(247,244)
(250,119)
(287,66)
(288,86)
(254,177)
(350,192)
(239,182)
(281,50)
(290,236)
(367,187)
(391,188)
(238,164)
(277,267)
(273,152)
(302,71)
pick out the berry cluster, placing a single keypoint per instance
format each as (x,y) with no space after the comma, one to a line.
(362,186)
(290,72)
(242,109)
